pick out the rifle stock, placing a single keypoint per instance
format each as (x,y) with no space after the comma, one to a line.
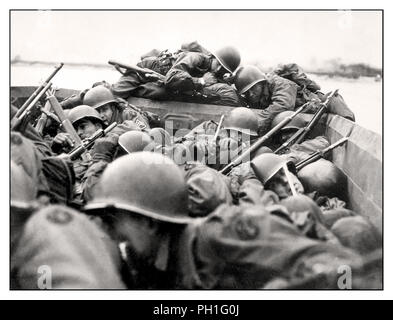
(290,142)
(43,119)
(260,141)
(65,122)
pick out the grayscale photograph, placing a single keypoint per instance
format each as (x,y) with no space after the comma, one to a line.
(196,149)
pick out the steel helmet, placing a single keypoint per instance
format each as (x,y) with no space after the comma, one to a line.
(267,165)
(98,96)
(324,177)
(358,234)
(23,190)
(144,183)
(295,124)
(301,203)
(207,189)
(228,57)
(134,141)
(260,151)
(246,77)
(243,120)
(82,112)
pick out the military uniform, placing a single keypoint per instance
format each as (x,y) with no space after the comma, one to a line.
(301,151)
(278,95)
(182,80)
(207,189)
(127,112)
(67,248)
(245,247)
(246,188)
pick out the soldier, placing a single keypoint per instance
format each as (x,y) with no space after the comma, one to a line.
(207,189)
(114,110)
(23,200)
(201,75)
(323,177)
(270,93)
(238,132)
(86,122)
(277,174)
(245,247)
(141,85)
(55,247)
(142,198)
(308,217)
(105,150)
(297,152)
(60,248)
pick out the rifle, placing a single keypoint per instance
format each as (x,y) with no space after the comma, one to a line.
(136,69)
(257,144)
(78,151)
(24,115)
(43,118)
(65,122)
(319,154)
(41,123)
(218,128)
(300,135)
(38,91)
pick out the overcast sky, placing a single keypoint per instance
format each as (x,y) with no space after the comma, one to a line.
(268,37)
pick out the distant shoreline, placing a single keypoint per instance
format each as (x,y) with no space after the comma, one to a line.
(331,74)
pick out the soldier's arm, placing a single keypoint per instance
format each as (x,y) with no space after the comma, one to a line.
(283,98)
(222,94)
(302,151)
(103,152)
(91,178)
(181,77)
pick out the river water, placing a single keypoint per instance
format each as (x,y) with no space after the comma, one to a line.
(363,95)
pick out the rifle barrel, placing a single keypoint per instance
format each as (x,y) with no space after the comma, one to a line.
(319,154)
(19,118)
(38,90)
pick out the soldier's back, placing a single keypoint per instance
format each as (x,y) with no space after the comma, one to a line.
(63,249)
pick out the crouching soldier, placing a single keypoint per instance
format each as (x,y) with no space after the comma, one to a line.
(246,247)
(142,199)
(55,247)
(297,151)
(277,174)
(200,76)
(86,121)
(105,150)
(269,93)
